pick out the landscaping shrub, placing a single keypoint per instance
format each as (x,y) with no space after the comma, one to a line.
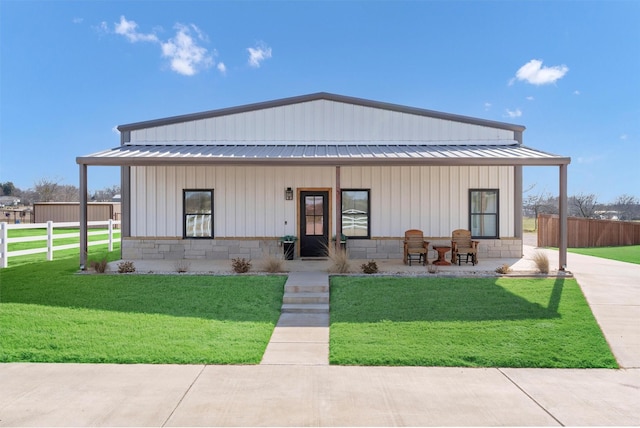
(339,260)
(240,265)
(273,264)
(542,261)
(100,266)
(504,269)
(182,265)
(370,267)
(126,267)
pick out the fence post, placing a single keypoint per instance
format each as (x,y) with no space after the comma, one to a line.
(49,240)
(110,235)
(5,246)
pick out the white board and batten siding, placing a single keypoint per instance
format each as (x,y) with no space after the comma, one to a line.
(249,201)
(319,120)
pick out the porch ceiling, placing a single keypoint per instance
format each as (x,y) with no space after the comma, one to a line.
(323,153)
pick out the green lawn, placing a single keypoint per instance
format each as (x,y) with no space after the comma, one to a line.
(476,322)
(49,313)
(629,254)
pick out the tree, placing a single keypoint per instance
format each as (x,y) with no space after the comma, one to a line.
(8,188)
(628,207)
(105,194)
(584,205)
(46,189)
(538,204)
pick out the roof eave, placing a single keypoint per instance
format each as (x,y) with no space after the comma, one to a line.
(325,161)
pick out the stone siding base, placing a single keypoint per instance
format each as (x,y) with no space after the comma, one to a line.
(227,249)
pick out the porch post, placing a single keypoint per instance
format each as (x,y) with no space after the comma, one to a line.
(563,218)
(338,208)
(517,200)
(83,217)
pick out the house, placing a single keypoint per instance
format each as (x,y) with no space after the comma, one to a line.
(229,183)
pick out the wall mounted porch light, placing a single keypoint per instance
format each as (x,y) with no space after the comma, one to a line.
(288,194)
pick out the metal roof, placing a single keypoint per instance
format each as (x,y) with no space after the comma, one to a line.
(322,153)
(314,97)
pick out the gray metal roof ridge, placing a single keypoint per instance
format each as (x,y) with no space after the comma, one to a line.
(314,97)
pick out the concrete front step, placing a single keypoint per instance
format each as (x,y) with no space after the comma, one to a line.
(317,288)
(305,298)
(305,308)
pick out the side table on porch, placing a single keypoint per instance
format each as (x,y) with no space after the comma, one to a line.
(442,251)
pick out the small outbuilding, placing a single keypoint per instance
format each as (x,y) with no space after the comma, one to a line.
(232,182)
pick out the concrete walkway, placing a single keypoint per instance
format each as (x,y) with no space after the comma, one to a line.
(301,337)
(299,392)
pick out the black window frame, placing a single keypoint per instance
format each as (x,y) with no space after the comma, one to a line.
(368,214)
(185,213)
(495,214)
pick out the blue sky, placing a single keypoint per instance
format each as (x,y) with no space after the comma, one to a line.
(71,71)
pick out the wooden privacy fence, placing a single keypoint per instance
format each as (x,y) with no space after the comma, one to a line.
(49,247)
(586,232)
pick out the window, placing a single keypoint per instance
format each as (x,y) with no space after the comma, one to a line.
(198,213)
(314,212)
(355,214)
(483,215)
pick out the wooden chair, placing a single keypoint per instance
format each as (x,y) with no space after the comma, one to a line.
(415,245)
(462,244)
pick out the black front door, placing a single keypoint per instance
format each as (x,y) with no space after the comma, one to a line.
(314,223)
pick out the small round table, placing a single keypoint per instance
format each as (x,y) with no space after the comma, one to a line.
(442,251)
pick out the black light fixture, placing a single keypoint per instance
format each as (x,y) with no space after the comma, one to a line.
(288,194)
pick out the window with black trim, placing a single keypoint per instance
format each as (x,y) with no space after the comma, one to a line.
(483,213)
(356,222)
(198,213)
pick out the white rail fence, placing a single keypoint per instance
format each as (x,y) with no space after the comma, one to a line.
(50,238)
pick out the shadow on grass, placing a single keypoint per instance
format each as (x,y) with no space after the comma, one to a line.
(229,298)
(439,299)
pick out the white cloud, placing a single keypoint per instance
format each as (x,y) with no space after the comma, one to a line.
(78,20)
(576,92)
(487,106)
(259,54)
(533,72)
(129,30)
(185,55)
(530,98)
(515,113)
(222,68)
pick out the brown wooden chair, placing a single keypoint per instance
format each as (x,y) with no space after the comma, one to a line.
(415,245)
(462,244)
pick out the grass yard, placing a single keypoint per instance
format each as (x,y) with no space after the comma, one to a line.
(472,322)
(629,254)
(49,313)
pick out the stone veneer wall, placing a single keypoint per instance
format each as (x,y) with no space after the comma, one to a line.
(227,249)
